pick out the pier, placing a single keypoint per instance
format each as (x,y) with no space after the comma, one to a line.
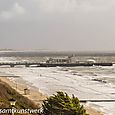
(97,100)
(29,64)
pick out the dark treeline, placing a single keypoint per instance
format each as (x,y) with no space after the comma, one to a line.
(52,53)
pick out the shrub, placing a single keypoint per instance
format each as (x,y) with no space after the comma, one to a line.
(62,104)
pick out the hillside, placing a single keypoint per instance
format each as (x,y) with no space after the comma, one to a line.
(6,93)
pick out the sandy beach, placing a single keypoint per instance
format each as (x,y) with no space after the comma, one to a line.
(37,96)
(92,111)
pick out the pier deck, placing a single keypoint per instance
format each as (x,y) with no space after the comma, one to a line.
(28,64)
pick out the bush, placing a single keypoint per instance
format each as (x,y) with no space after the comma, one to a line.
(62,104)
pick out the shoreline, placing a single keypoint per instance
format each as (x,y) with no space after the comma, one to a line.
(36,96)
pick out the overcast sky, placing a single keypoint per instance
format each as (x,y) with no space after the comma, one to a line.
(77,25)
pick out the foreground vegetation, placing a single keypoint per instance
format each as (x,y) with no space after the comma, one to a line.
(62,104)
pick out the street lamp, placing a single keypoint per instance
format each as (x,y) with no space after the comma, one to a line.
(16,84)
(12,103)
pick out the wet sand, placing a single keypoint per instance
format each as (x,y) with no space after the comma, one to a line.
(35,95)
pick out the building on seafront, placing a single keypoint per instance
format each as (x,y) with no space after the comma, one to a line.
(66,60)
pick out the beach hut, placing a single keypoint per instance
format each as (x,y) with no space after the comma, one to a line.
(26,91)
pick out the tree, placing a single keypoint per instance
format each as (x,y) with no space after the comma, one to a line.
(62,104)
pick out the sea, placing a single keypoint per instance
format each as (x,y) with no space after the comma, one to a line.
(85,82)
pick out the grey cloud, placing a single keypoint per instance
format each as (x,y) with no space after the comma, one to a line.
(59,24)
(39,7)
(15,10)
(74,5)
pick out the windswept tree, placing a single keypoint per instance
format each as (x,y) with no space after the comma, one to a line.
(62,104)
